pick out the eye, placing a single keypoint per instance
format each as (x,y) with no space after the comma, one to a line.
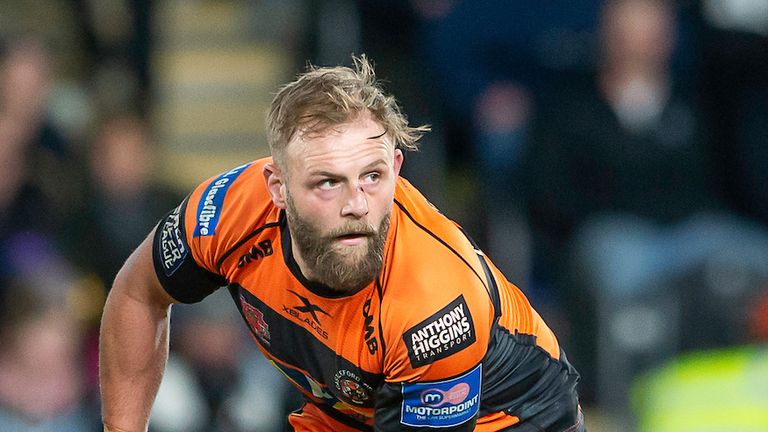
(327,184)
(371,178)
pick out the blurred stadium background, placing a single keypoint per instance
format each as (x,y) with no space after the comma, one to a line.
(610,156)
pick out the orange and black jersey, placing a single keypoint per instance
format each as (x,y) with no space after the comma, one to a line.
(439,340)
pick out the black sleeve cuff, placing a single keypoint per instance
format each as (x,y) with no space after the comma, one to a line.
(177,270)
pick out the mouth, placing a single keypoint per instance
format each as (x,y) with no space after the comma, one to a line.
(353,239)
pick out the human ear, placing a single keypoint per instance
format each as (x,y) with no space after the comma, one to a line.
(274,180)
(398,161)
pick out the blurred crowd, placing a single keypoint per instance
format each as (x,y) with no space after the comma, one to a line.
(611,157)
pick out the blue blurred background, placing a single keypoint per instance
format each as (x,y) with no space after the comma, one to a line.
(610,156)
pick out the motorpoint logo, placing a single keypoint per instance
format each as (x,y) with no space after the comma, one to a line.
(444,403)
(445,412)
(455,395)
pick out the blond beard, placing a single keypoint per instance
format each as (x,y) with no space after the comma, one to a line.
(324,256)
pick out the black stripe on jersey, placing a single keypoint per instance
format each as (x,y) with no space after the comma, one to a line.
(493,287)
(433,235)
(381,329)
(300,348)
(241,242)
(341,418)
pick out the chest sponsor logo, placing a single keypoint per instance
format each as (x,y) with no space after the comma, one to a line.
(209,208)
(255,319)
(260,250)
(352,387)
(443,403)
(307,313)
(446,332)
(173,249)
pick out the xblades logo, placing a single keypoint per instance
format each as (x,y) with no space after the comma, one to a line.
(308,307)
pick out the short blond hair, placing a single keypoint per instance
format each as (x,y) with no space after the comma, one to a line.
(324,97)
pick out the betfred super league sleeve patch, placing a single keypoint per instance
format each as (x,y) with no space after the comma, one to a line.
(446,332)
(172,246)
(442,403)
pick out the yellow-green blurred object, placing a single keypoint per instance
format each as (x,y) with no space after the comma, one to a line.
(708,391)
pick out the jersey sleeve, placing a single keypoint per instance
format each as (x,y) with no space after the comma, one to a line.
(438,314)
(191,240)
(434,373)
(181,276)
(465,348)
(527,373)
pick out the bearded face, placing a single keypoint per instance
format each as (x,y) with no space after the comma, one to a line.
(337,188)
(331,262)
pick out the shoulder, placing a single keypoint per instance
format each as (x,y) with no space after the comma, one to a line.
(227,196)
(421,216)
(227,207)
(435,304)
(428,246)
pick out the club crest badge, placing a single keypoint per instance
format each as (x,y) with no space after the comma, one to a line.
(352,387)
(256,321)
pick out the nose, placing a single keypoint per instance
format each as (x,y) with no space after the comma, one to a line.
(356,204)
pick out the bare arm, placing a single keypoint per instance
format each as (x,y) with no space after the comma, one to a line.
(133,343)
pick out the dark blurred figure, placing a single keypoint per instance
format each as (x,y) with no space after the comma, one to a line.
(734,82)
(208,361)
(488,62)
(117,38)
(215,381)
(125,199)
(43,385)
(407,73)
(39,184)
(627,138)
(624,205)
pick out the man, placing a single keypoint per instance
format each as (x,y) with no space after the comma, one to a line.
(375,306)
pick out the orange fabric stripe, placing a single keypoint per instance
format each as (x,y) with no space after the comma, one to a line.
(311,419)
(496,421)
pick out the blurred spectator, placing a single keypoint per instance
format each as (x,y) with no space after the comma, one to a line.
(734,82)
(407,73)
(625,139)
(42,381)
(487,64)
(39,187)
(621,196)
(117,37)
(119,211)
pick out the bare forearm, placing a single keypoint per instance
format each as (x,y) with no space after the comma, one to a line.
(133,345)
(133,353)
